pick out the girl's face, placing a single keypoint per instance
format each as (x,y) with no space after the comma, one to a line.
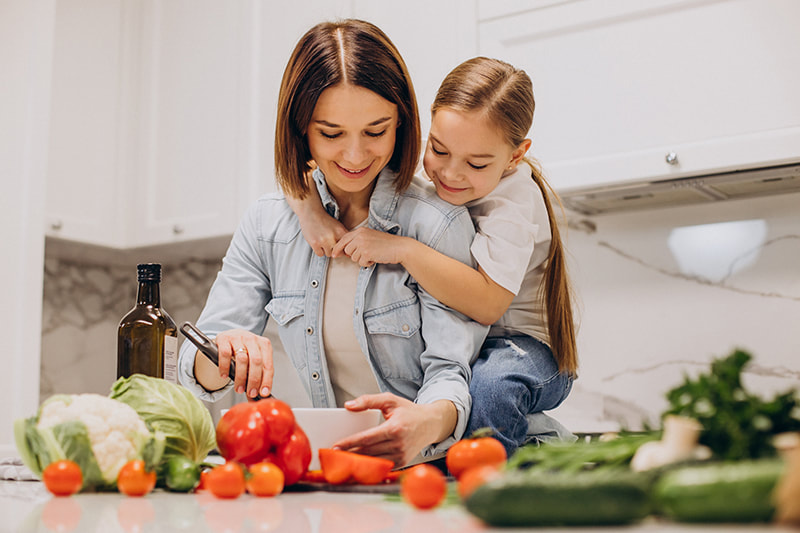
(466,156)
(351,137)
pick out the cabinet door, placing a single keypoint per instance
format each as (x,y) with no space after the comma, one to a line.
(85,151)
(619,85)
(192,121)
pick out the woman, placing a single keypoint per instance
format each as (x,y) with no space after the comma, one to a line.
(363,338)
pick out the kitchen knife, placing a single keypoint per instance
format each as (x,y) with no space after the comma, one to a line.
(209,348)
(206,346)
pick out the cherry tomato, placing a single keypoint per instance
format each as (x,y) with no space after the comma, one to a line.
(469,453)
(242,434)
(293,457)
(134,480)
(423,486)
(63,478)
(472,478)
(266,479)
(226,481)
(203,484)
(278,420)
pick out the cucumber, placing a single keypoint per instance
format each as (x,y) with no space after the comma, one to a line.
(524,499)
(719,492)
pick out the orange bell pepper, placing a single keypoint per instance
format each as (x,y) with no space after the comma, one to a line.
(339,467)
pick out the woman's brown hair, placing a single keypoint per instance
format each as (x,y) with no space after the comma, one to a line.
(505,95)
(347,51)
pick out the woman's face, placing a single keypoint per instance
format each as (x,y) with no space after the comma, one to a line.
(466,156)
(351,137)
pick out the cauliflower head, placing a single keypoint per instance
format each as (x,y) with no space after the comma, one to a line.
(97,432)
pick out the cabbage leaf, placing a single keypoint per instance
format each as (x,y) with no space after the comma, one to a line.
(172,410)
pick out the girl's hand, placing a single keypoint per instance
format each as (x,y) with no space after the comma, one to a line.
(368,246)
(253,356)
(408,428)
(320,230)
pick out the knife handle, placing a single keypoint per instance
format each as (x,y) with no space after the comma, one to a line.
(206,346)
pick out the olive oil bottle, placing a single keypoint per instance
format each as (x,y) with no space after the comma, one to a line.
(147,338)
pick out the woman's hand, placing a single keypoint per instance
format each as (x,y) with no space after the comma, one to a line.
(254,366)
(409,427)
(367,246)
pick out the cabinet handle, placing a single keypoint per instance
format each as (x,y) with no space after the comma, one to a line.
(177,229)
(671,158)
(56,225)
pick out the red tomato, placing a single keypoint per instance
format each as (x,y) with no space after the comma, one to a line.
(226,481)
(293,457)
(134,480)
(472,478)
(423,486)
(469,453)
(278,420)
(266,479)
(242,434)
(63,478)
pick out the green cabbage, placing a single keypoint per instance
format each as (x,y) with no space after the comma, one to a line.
(98,433)
(172,410)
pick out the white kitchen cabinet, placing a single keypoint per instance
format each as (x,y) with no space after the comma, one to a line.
(636,91)
(152,134)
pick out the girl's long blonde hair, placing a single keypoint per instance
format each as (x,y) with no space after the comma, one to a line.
(505,95)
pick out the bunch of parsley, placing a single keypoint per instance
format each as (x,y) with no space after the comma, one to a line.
(736,424)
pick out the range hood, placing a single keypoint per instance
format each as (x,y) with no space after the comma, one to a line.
(711,187)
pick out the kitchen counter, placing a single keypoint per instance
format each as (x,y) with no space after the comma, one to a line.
(28,507)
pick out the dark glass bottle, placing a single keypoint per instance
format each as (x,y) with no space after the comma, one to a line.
(147,338)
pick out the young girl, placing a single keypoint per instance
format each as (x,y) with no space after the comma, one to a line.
(475,156)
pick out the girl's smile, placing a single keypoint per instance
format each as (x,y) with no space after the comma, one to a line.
(466,155)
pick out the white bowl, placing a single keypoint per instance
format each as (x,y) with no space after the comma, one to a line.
(326,426)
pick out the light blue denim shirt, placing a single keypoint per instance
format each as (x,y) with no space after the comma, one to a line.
(417,347)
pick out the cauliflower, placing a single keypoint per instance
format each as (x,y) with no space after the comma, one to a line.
(97,432)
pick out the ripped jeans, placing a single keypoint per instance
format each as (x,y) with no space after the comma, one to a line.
(513,377)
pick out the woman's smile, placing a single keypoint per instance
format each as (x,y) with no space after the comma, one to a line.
(353,173)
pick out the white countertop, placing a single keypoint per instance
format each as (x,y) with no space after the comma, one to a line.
(26,506)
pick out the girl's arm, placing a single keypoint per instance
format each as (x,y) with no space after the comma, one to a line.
(453,283)
(320,230)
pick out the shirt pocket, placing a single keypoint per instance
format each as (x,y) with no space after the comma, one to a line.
(287,311)
(395,340)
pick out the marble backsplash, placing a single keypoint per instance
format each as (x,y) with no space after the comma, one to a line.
(659,295)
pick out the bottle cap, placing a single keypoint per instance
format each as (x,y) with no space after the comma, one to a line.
(149,272)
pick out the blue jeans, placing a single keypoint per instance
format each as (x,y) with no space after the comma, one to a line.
(513,377)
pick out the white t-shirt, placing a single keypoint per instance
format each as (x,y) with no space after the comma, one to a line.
(511,244)
(350,371)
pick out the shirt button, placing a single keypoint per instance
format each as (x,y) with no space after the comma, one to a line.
(310,330)
(315,376)
(405,327)
(314,283)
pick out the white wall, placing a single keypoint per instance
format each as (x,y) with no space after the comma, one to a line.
(26,29)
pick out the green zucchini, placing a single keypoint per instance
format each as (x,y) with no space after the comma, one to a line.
(608,496)
(719,492)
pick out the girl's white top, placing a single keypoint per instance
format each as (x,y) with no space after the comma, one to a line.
(511,244)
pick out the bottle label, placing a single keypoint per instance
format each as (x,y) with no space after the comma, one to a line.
(171,358)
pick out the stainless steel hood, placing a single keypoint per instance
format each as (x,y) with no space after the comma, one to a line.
(711,187)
